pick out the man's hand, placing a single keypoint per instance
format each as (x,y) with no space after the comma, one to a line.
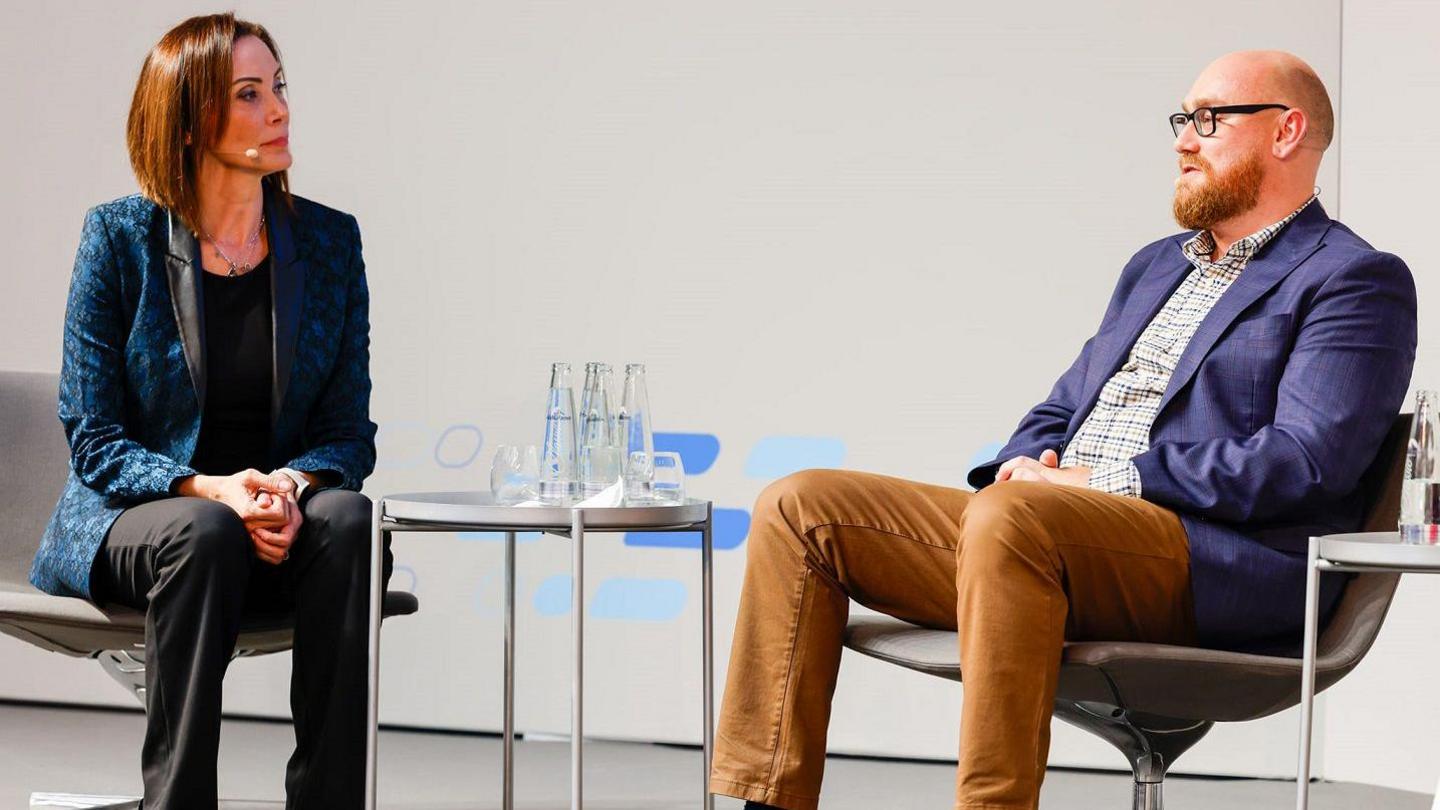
(273,545)
(1047,468)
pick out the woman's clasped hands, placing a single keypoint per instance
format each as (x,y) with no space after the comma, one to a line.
(266,505)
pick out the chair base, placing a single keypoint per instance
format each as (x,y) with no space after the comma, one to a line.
(1150,743)
(1149,796)
(127,667)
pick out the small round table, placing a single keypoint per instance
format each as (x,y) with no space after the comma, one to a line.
(478,511)
(1359,552)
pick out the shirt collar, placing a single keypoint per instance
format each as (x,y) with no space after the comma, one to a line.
(1199,247)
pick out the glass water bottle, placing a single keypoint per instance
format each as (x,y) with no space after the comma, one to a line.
(633,424)
(595,406)
(599,456)
(557,457)
(1420,491)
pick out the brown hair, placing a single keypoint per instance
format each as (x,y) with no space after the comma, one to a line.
(184,92)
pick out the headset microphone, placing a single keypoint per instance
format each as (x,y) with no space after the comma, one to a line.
(252,153)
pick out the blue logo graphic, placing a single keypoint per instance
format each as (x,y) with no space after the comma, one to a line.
(639,600)
(697,450)
(399,576)
(777,456)
(622,598)
(458,446)
(983,455)
(552,597)
(730,526)
(401,445)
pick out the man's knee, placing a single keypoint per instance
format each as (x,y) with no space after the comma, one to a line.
(798,492)
(1003,521)
(779,514)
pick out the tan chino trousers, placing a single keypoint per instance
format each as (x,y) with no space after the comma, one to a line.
(1016,569)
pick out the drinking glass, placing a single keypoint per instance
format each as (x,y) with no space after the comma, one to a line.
(599,468)
(667,478)
(638,473)
(515,473)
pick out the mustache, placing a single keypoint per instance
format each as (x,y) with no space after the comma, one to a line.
(1195,161)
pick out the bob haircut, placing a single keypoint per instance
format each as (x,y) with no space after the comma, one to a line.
(184,94)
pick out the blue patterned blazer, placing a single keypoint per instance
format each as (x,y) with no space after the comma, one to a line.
(132,379)
(1277,406)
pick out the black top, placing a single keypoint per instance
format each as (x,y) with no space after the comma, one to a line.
(239,356)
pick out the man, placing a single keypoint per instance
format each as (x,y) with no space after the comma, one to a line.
(1240,382)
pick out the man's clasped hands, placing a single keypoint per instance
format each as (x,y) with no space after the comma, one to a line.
(1045,468)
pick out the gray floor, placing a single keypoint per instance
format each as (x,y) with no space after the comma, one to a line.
(83,751)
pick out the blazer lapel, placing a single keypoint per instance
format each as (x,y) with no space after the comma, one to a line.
(182,265)
(287,297)
(1155,287)
(1292,246)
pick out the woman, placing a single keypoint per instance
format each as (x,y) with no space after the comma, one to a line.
(217,327)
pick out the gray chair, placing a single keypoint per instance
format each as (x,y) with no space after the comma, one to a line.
(34,462)
(1154,701)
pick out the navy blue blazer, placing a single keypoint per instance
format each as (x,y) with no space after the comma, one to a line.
(132,379)
(1277,406)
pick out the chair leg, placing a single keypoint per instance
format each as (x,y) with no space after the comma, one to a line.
(127,667)
(1150,743)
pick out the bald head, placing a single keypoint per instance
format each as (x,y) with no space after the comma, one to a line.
(1255,165)
(1264,77)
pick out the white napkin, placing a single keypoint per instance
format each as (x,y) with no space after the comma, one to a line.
(613,495)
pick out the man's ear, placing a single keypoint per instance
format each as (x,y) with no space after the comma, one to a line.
(1290,130)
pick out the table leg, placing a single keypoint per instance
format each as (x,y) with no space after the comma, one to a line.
(707,554)
(508,795)
(1307,675)
(372,725)
(577,686)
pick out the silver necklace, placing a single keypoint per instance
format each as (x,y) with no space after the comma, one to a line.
(245,266)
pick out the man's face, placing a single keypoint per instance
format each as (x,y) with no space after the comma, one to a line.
(1206,195)
(1221,175)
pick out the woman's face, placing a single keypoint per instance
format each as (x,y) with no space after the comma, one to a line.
(259,115)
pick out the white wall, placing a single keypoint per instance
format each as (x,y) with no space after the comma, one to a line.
(810,218)
(1383,719)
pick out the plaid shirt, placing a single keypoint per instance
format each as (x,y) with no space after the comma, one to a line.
(1118,427)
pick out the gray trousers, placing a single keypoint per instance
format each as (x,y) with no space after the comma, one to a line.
(188,563)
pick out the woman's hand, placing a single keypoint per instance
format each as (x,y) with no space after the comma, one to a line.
(273,546)
(241,492)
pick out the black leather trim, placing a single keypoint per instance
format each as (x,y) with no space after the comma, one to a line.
(287,296)
(182,265)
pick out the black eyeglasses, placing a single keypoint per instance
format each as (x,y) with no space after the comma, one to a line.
(1205,117)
